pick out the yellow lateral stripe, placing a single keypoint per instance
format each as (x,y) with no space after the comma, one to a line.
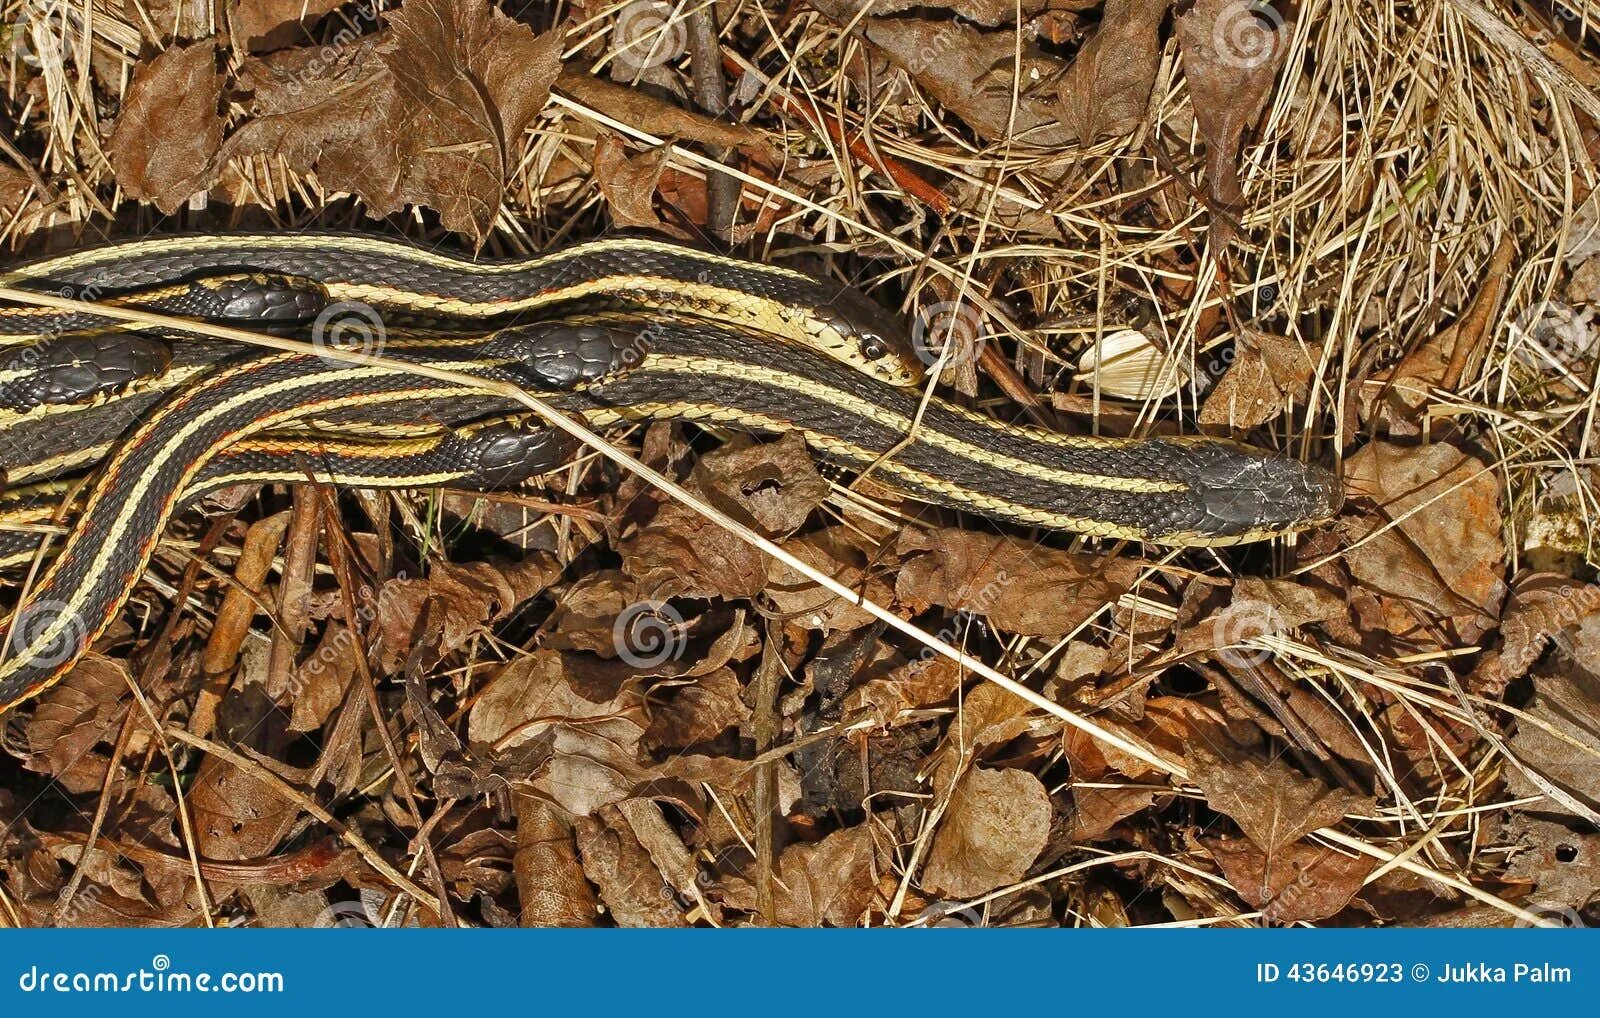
(399,250)
(897,422)
(73,606)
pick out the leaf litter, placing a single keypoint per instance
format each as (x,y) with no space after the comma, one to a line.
(584,703)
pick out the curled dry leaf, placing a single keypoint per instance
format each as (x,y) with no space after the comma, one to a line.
(1561,744)
(550,879)
(1257,607)
(837,551)
(995,825)
(632,888)
(971,74)
(695,710)
(463,599)
(170,128)
(424,113)
(74,716)
(270,24)
(680,553)
(653,115)
(1541,605)
(629,184)
(773,485)
(1268,375)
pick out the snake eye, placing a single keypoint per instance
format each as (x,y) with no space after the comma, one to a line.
(873,348)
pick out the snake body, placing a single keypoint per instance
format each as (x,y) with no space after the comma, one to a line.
(797,363)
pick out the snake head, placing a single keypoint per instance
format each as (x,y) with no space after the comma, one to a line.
(1249,494)
(881,345)
(567,355)
(1240,493)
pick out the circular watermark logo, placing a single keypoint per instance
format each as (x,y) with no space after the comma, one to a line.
(1553,915)
(648,33)
(1551,334)
(345,915)
(1233,629)
(349,327)
(949,915)
(41,19)
(47,633)
(1247,33)
(648,634)
(949,330)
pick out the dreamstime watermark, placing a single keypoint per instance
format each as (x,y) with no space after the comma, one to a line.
(349,327)
(978,605)
(950,331)
(313,71)
(1234,629)
(1247,33)
(1551,334)
(335,648)
(647,634)
(47,633)
(648,33)
(931,50)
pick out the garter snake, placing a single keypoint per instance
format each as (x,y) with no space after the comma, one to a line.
(244,419)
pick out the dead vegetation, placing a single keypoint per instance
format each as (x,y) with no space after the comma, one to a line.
(1359,233)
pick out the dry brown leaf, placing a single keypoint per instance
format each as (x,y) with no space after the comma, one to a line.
(1258,607)
(926,682)
(837,552)
(1297,883)
(1097,810)
(772,485)
(596,743)
(629,185)
(1232,51)
(1019,587)
(1107,88)
(236,815)
(426,113)
(696,711)
(971,74)
(680,553)
(271,24)
(1270,801)
(1446,556)
(72,717)
(1269,374)
(996,824)
(634,891)
(1569,702)
(830,883)
(653,115)
(550,880)
(461,598)
(1541,605)
(1562,864)
(170,127)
